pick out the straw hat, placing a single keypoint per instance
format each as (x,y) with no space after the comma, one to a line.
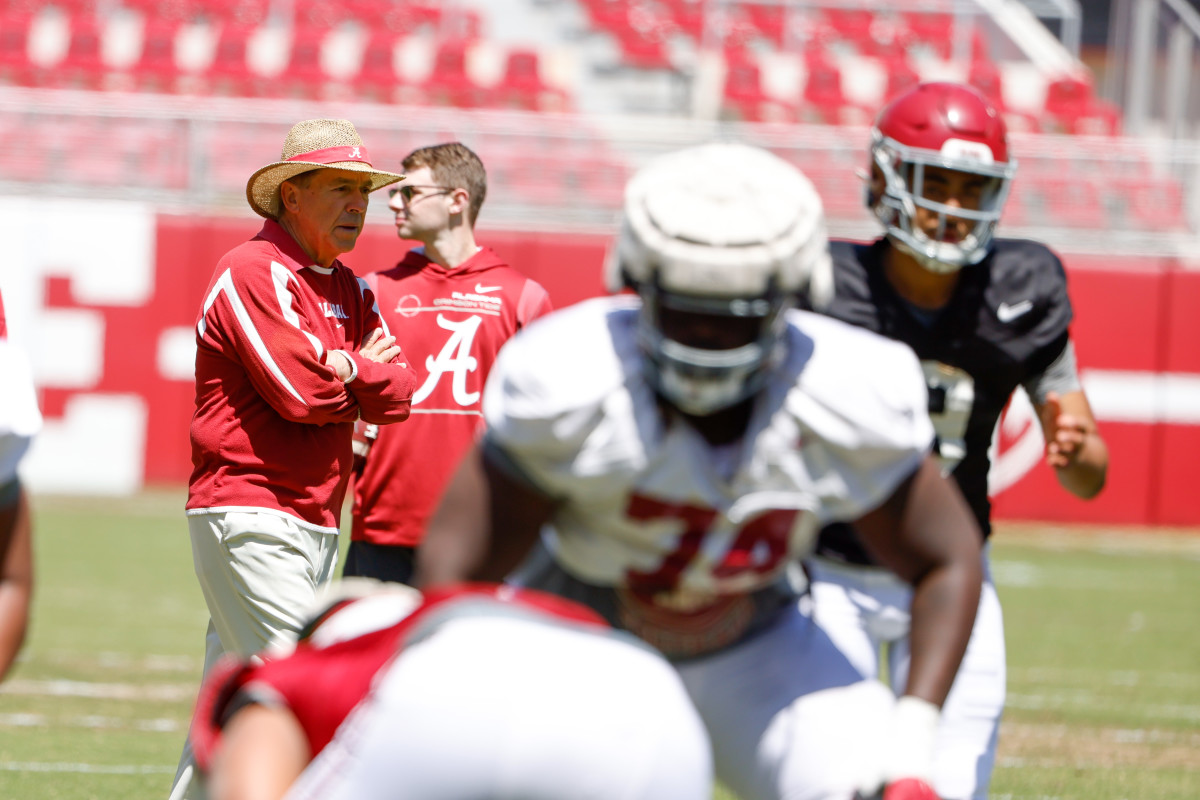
(312,144)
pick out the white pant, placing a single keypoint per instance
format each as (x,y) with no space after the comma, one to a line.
(508,707)
(861,609)
(259,572)
(788,715)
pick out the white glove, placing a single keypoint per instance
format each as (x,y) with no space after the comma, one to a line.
(906,747)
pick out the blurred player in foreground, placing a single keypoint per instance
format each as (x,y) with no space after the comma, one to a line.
(984,316)
(680,448)
(474,692)
(20,420)
(453,303)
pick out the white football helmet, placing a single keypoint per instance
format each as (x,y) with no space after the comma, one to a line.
(940,125)
(724,231)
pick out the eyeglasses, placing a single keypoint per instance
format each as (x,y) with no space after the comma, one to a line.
(408,191)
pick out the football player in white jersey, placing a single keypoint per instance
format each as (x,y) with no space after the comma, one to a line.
(677,450)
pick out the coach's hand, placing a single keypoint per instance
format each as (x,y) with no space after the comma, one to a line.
(379,348)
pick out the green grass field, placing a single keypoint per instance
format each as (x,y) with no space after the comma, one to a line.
(1104,659)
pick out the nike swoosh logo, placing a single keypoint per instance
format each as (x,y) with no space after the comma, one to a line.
(481,289)
(1007,313)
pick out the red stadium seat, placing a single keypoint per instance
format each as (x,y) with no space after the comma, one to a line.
(1072,107)
(377,78)
(15,66)
(822,98)
(744,97)
(230,73)
(156,69)
(770,20)
(319,14)
(642,50)
(239,13)
(83,65)
(850,24)
(901,76)
(607,15)
(522,85)
(303,76)
(933,30)
(688,16)
(985,76)
(449,84)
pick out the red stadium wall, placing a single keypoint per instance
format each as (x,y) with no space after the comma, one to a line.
(1136,332)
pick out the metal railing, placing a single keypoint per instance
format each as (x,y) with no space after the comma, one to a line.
(1154,66)
(561,171)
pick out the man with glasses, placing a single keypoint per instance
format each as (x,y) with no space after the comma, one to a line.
(453,304)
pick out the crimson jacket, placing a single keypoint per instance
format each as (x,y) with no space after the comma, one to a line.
(273,423)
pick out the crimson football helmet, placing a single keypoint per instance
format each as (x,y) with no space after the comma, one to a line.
(945,125)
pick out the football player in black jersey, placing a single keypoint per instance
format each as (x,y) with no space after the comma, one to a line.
(984,316)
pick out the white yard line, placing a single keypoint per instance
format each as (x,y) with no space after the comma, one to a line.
(92,721)
(1081,699)
(93,769)
(166,692)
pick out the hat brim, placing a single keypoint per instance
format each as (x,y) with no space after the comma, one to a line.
(262,190)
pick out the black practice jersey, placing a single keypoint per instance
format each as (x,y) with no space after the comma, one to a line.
(1005,324)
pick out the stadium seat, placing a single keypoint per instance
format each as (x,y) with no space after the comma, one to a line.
(688,17)
(449,84)
(1072,107)
(642,50)
(320,14)
(850,24)
(377,78)
(769,20)
(901,76)
(607,15)
(744,98)
(156,69)
(930,29)
(522,85)
(822,99)
(15,66)
(83,65)
(239,13)
(229,73)
(985,76)
(303,76)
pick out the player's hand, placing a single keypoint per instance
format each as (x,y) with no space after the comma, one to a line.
(379,348)
(1067,433)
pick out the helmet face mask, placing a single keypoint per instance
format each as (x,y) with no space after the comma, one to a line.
(704,354)
(918,139)
(716,240)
